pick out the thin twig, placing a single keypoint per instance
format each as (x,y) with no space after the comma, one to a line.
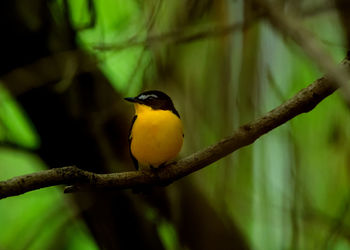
(183,36)
(177,36)
(304,101)
(289,24)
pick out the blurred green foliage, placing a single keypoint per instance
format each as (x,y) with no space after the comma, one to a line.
(42,219)
(289,190)
(15,127)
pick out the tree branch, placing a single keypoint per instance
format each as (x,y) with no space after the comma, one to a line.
(304,101)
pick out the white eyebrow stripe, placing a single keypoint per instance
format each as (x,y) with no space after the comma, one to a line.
(144,97)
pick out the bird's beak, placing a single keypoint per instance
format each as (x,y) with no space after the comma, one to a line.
(130,99)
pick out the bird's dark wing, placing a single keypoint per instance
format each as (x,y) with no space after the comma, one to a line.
(172,109)
(136,164)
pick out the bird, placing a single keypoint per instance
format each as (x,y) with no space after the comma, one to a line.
(156,132)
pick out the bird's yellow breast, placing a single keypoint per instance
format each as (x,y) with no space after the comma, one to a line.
(157,136)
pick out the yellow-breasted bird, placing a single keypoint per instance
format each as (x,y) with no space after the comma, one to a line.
(156,132)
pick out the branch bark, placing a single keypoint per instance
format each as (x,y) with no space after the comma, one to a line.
(304,101)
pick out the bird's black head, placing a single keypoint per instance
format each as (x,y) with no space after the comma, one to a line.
(154,99)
